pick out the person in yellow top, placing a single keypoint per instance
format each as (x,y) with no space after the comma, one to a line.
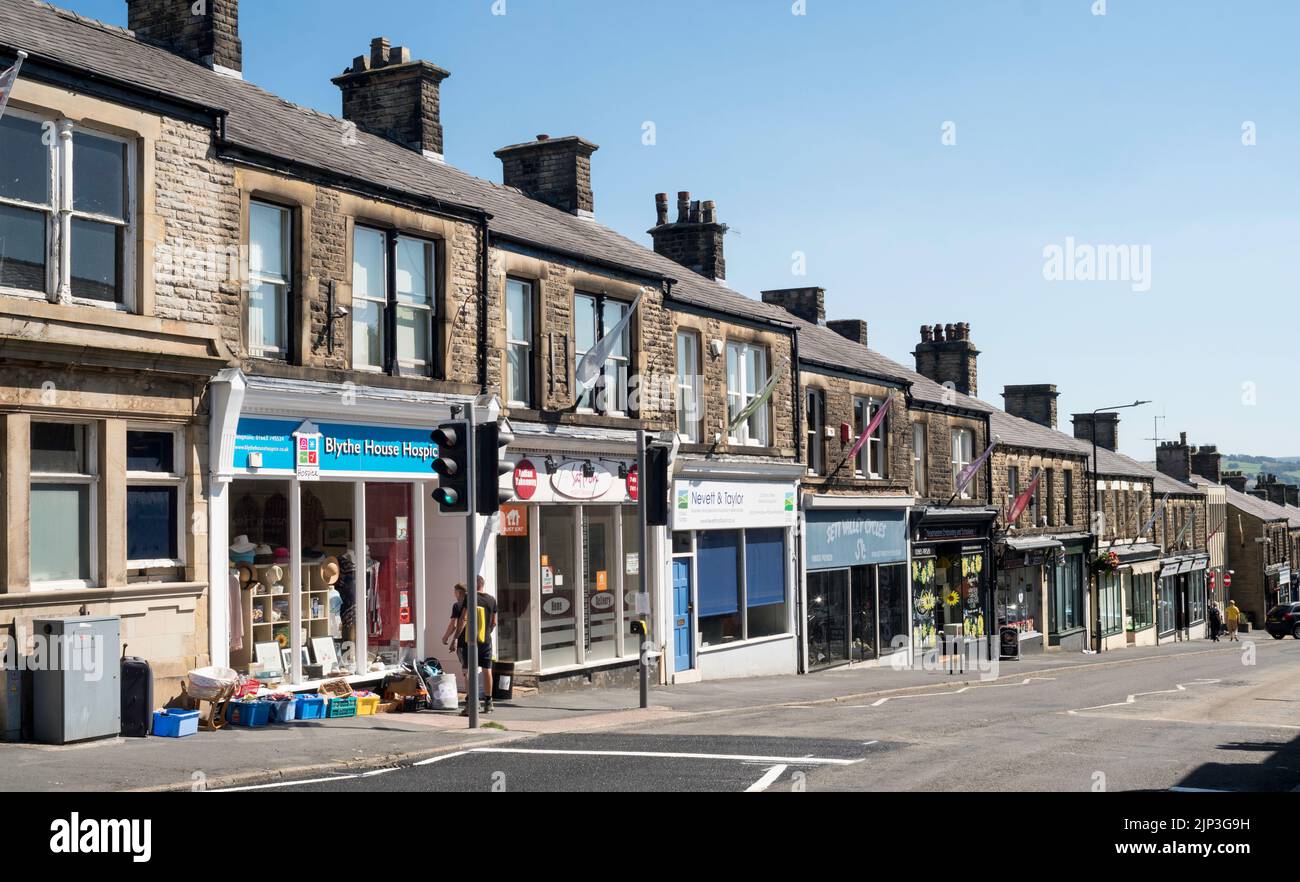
(1233,615)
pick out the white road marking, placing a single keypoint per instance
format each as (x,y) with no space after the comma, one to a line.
(438,759)
(1132,699)
(769,778)
(1024,682)
(650,754)
(282,784)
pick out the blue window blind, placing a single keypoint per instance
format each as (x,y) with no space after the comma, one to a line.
(718,561)
(765,566)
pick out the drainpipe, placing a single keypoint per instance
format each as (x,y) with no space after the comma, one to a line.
(483,261)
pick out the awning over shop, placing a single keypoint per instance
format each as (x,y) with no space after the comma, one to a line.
(1176,566)
(1033,543)
(948,524)
(1129,554)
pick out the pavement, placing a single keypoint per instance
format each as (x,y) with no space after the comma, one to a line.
(830,713)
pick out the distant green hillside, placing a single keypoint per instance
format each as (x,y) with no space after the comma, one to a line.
(1286,468)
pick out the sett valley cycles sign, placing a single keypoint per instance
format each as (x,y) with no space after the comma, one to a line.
(338,447)
(849,538)
(706,505)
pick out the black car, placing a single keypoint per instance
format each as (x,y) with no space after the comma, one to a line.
(1282,620)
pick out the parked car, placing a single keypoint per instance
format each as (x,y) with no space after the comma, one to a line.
(1282,620)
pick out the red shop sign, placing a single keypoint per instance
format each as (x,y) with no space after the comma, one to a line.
(525,479)
(633,483)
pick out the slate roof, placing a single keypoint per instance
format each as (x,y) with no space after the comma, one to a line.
(1019,432)
(1253,505)
(258,121)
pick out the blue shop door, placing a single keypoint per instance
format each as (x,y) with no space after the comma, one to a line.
(682,614)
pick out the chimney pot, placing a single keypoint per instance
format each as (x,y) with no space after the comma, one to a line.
(927,334)
(379,52)
(543,137)
(683,206)
(661,209)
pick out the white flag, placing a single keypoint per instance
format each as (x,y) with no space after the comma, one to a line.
(593,363)
(7,80)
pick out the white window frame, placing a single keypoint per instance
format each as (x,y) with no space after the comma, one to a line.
(815,414)
(961,457)
(283,280)
(91,479)
(868,463)
(59,213)
(370,298)
(175,478)
(429,247)
(921,432)
(525,345)
(622,386)
(689,404)
(749,388)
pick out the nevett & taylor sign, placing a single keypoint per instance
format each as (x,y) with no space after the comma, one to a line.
(712,505)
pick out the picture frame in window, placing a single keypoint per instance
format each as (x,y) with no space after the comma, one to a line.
(336,531)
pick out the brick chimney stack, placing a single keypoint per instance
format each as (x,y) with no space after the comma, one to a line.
(1174,458)
(808,304)
(694,240)
(389,95)
(850,329)
(1104,425)
(1276,491)
(556,171)
(1035,402)
(1208,463)
(1236,480)
(947,355)
(210,37)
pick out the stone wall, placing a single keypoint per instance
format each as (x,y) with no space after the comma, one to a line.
(839,474)
(1051,496)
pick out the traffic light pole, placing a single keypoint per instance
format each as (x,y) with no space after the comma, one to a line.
(471,572)
(643,565)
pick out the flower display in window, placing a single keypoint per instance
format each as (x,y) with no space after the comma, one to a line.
(926,602)
(952,598)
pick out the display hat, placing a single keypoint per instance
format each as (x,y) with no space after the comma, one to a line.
(246,576)
(241,545)
(329,570)
(282,555)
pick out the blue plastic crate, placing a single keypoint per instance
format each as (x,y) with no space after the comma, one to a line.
(283,710)
(249,713)
(309,707)
(175,723)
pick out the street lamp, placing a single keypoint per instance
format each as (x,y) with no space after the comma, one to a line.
(1092,505)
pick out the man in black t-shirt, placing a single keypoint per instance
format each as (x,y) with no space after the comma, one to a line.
(487,623)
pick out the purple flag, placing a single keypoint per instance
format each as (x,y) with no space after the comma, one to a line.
(871,428)
(972,469)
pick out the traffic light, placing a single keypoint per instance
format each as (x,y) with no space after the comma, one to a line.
(452,466)
(490,465)
(654,484)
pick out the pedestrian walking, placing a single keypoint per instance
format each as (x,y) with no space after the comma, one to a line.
(487,622)
(1233,616)
(1216,621)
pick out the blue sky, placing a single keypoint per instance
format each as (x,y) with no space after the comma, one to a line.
(822,134)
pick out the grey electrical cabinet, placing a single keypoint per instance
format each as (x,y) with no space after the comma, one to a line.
(76,692)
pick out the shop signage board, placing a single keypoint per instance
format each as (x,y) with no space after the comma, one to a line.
(571,480)
(343,449)
(525,479)
(707,504)
(837,538)
(307,446)
(514,520)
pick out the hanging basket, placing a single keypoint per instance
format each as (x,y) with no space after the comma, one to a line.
(1107,562)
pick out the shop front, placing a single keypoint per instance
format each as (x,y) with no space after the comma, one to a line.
(568,566)
(1023,570)
(322,527)
(1136,579)
(952,576)
(1181,598)
(855,589)
(731,573)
